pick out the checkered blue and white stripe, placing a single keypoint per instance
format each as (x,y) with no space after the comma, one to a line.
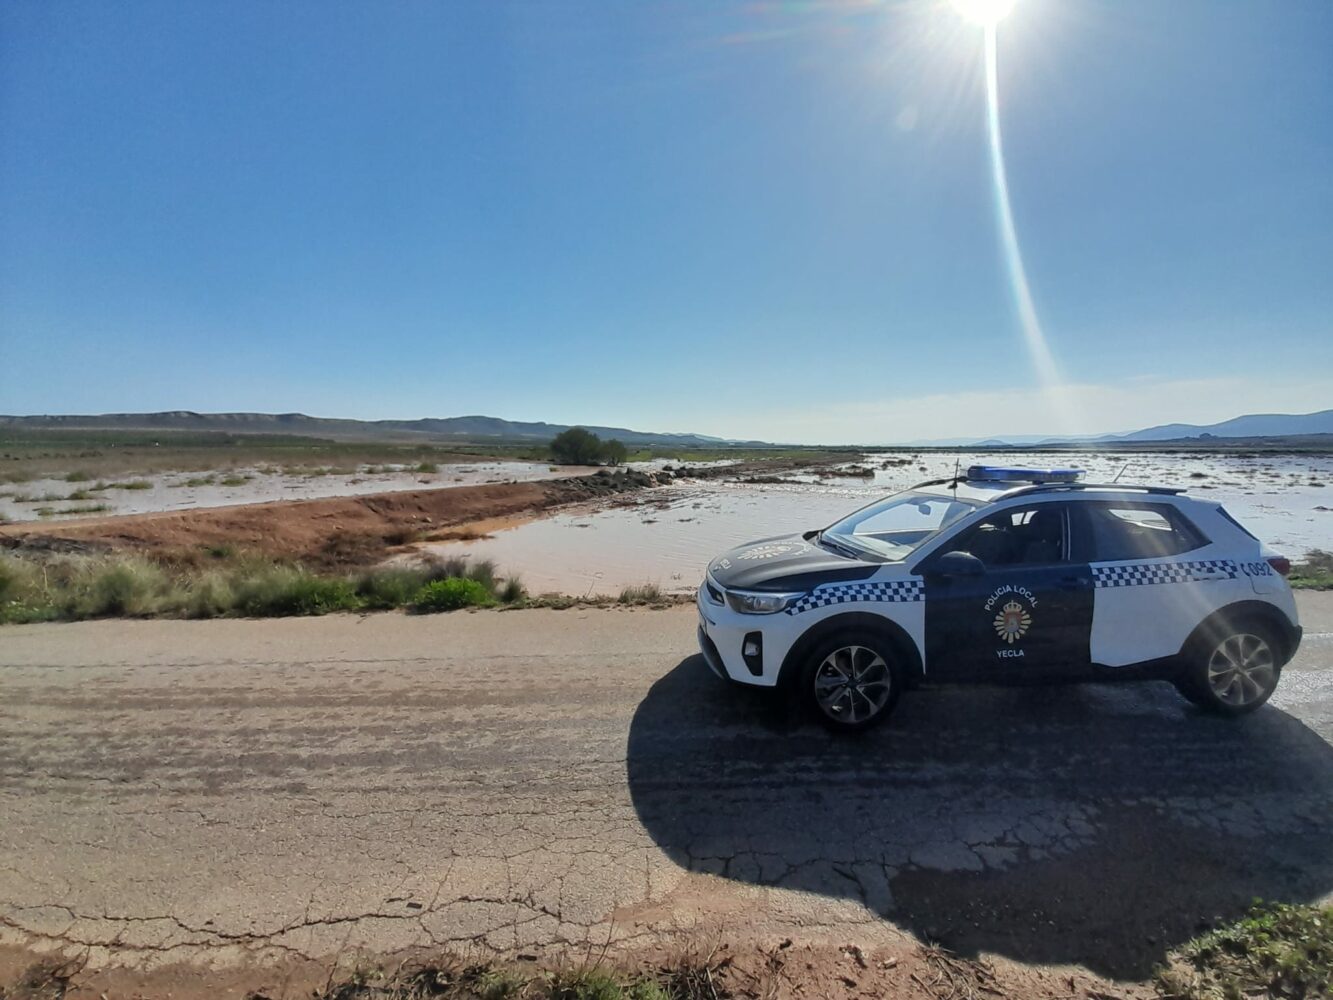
(1145,574)
(851,593)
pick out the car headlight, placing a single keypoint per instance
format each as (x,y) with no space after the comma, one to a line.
(752,602)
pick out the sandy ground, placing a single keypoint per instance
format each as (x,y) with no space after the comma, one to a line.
(231,795)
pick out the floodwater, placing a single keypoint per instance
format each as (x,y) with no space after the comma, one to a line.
(667,536)
(191,490)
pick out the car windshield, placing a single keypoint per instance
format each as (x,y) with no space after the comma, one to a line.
(894,528)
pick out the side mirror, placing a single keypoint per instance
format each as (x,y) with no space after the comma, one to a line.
(958,564)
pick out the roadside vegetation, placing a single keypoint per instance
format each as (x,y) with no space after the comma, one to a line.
(1276,950)
(1315,573)
(223,583)
(74,587)
(456,980)
(646,593)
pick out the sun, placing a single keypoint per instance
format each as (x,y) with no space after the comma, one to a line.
(986,13)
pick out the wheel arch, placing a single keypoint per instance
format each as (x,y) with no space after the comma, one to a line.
(890,630)
(1243,611)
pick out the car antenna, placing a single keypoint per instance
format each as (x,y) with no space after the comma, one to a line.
(1119,474)
(954,487)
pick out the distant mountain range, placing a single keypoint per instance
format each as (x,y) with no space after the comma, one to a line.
(480,429)
(472,428)
(1252,425)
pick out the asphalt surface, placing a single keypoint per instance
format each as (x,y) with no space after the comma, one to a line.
(248,790)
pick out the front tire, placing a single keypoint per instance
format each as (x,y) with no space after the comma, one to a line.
(851,681)
(1231,668)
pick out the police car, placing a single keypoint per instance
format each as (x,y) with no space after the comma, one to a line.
(1004,575)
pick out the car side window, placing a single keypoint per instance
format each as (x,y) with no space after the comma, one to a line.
(1018,536)
(1123,531)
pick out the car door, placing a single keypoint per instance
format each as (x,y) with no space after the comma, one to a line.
(1019,609)
(1157,577)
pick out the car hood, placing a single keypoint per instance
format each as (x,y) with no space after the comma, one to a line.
(785,562)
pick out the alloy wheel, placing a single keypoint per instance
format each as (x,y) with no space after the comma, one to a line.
(1242,670)
(852,684)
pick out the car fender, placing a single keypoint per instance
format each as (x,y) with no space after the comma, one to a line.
(1288,632)
(892,631)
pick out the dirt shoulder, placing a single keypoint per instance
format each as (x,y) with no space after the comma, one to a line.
(688,967)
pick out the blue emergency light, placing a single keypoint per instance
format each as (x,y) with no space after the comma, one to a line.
(1005,474)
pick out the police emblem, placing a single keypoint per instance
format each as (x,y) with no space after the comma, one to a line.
(773,549)
(1011,624)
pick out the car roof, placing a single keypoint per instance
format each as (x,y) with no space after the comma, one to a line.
(988,491)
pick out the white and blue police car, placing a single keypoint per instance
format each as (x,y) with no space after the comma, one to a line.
(1004,575)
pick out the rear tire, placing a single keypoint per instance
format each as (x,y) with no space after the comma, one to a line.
(1231,668)
(851,681)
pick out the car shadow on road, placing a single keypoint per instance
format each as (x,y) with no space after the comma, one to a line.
(1100,825)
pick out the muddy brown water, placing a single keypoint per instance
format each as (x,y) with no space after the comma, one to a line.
(667,536)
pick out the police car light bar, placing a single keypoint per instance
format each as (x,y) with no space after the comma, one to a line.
(1004,474)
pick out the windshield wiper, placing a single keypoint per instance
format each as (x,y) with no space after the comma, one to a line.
(838,547)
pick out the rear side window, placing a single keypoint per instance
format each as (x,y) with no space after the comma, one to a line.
(1138,531)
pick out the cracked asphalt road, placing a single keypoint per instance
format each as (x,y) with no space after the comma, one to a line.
(234,791)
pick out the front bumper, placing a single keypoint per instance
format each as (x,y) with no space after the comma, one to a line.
(722,634)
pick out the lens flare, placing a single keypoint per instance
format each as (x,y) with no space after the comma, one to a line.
(986,13)
(1038,349)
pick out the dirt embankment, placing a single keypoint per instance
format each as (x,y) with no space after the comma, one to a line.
(680,968)
(330,533)
(334,532)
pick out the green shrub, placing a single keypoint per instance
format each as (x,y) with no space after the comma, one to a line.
(426,467)
(211,596)
(512,590)
(20,580)
(1276,950)
(283,590)
(443,569)
(133,484)
(129,587)
(452,594)
(77,477)
(235,480)
(390,588)
(484,573)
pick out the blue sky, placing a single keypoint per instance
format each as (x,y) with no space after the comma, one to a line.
(770,220)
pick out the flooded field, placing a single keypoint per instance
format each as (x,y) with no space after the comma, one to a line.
(61,499)
(666,536)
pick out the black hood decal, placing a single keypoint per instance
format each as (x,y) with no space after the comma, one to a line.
(786,562)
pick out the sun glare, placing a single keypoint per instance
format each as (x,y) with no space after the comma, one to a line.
(986,13)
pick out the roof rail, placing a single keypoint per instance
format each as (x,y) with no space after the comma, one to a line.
(1047,487)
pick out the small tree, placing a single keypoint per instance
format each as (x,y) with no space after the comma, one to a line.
(576,447)
(614,453)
